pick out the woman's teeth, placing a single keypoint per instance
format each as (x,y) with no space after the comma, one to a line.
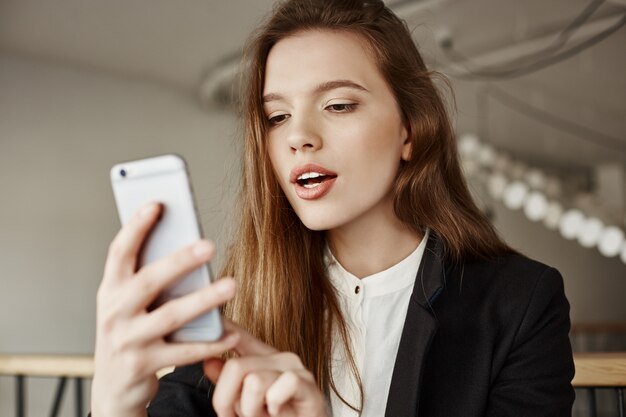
(308,175)
(311,179)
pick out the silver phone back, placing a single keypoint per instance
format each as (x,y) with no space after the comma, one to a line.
(164,179)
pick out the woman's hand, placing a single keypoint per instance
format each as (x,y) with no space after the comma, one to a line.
(130,344)
(263,382)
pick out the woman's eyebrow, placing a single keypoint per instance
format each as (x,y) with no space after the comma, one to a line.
(331,85)
(321,88)
(271,97)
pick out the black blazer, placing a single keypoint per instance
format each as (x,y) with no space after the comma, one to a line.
(485,338)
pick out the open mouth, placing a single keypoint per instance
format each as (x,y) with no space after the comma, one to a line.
(313,179)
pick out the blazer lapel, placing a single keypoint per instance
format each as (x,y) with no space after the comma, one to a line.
(419,329)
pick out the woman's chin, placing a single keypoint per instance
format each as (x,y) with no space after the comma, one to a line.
(318,222)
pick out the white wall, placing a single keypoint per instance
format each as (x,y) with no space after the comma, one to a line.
(60,131)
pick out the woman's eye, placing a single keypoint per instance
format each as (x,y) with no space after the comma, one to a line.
(341,107)
(273,121)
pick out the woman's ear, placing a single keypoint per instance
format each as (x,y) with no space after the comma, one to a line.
(407,145)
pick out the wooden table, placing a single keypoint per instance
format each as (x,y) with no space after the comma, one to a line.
(62,367)
(600,369)
(593,371)
(72,366)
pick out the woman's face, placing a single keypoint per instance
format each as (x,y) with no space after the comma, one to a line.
(336,135)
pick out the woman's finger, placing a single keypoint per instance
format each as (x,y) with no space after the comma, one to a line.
(122,257)
(153,278)
(297,388)
(229,384)
(176,313)
(164,354)
(249,345)
(253,391)
(212,368)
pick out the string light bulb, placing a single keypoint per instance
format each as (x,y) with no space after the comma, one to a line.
(469,145)
(611,241)
(496,184)
(554,211)
(536,179)
(570,224)
(515,195)
(590,232)
(486,155)
(536,206)
(538,193)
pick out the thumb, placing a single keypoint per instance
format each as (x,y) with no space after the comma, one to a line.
(213,368)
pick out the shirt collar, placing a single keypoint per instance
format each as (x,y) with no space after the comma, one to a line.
(395,278)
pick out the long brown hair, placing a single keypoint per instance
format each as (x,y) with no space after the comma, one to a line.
(284,295)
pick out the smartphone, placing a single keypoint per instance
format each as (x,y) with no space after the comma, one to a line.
(165,179)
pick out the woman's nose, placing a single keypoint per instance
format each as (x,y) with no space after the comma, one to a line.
(304,134)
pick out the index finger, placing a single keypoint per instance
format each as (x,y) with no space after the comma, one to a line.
(248,345)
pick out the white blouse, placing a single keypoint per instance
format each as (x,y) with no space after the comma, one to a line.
(375,309)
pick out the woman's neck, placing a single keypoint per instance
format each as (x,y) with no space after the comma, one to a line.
(372,243)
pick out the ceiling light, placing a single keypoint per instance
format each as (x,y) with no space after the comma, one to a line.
(554,211)
(611,241)
(486,155)
(496,184)
(469,145)
(570,224)
(536,178)
(515,194)
(590,232)
(536,206)
(553,187)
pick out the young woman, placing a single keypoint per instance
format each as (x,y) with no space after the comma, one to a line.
(368,283)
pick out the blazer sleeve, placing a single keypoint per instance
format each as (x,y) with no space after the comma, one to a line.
(535,379)
(183,393)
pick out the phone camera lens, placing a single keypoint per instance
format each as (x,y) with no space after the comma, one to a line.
(123,172)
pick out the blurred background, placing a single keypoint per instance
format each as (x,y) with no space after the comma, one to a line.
(540,115)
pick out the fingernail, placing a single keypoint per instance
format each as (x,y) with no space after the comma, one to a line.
(224,286)
(148,210)
(202,249)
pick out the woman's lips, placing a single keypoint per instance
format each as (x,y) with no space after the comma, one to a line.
(312,181)
(315,191)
